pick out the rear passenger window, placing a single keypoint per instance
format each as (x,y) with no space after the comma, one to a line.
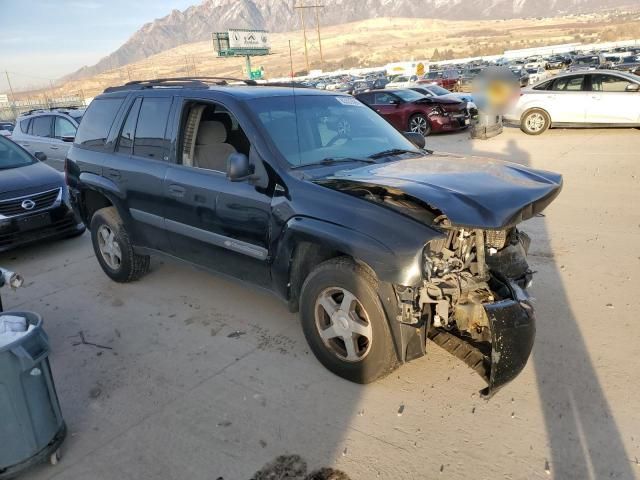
(573,84)
(97,121)
(125,143)
(41,126)
(24,125)
(152,122)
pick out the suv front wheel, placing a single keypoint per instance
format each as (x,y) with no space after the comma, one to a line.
(113,247)
(344,322)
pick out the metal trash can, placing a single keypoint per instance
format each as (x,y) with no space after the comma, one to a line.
(31,424)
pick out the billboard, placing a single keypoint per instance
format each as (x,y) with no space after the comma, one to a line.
(248,40)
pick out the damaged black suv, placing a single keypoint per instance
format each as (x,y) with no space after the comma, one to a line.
(379,244)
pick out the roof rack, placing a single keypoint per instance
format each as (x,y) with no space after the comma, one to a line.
(179,82)
(49,109)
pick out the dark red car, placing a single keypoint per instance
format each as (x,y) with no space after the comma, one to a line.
(411,111)
(444,78)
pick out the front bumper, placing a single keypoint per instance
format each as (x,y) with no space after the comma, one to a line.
(57,222)
(512,325)
(449,123)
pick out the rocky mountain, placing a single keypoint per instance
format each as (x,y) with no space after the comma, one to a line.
(198,21)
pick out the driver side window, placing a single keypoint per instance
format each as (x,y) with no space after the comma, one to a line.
(385,99)
(209,134)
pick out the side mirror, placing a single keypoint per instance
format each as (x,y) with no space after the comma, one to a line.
(633,87)
(415,138)
(68,138)
(40,156)
(238,168)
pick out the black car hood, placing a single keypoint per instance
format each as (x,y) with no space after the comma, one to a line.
(29,179)
(470,191)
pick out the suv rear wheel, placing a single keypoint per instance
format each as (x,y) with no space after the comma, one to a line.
(344,322)
(113,247)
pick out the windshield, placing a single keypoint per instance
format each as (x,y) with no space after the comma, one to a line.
(12,156)
(433,75)
(437,90)
(319,127)
(409,95)
(586,60)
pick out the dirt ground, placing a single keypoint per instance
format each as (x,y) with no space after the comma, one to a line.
(207,378)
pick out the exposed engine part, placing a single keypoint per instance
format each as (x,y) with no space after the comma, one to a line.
(457,280)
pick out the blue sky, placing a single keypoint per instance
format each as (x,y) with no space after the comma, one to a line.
(45,39)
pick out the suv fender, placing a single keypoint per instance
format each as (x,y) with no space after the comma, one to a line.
(306,242)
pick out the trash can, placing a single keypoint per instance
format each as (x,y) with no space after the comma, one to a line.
(31,424)
(486,126)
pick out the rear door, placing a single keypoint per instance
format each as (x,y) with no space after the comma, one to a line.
(567,99)
(139,166)
(610,102)
(37,137)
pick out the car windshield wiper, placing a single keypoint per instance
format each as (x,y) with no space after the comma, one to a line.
(391,152)
(334,160)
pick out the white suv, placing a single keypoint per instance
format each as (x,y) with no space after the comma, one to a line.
(48,131)
(600,98)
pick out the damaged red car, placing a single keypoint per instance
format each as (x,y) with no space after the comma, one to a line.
(410,111)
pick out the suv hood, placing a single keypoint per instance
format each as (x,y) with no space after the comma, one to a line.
(28,179)
(470,191)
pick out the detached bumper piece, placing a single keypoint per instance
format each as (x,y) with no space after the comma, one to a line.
(512,325)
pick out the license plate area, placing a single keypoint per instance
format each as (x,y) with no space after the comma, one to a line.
(34,222)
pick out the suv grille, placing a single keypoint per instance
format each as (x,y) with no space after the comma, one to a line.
(37,201)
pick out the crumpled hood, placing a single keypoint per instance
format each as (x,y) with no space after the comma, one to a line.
(470,191)
(28,179)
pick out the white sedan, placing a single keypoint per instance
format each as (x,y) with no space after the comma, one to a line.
(599,98)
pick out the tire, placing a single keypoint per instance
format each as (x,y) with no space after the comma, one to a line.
(419,123)
(372,352)
(108,234)
(535,121)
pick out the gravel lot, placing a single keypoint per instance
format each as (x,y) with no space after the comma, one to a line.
(207,378)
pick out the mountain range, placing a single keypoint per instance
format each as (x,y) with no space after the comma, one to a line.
(197,22)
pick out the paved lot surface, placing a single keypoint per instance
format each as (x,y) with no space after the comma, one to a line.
(177,397)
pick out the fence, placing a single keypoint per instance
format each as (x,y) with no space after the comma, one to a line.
(11,110)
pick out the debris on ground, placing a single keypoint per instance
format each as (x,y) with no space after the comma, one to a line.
(401,410)
(293,467)
(547,467)
(236,334)
(83,341)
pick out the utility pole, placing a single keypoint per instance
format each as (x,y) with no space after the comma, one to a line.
(13,97)
(304,33)
(302,9)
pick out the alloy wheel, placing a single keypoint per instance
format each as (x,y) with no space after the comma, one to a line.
(535,122)
(343,324)
(109,247)
(418,124)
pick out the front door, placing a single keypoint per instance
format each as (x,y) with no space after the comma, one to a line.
(212,221)
(388,105)
(610,102)
(58,148)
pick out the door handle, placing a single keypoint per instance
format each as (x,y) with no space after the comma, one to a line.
(177,191)
(115,174)
(25,144)
(53,147)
